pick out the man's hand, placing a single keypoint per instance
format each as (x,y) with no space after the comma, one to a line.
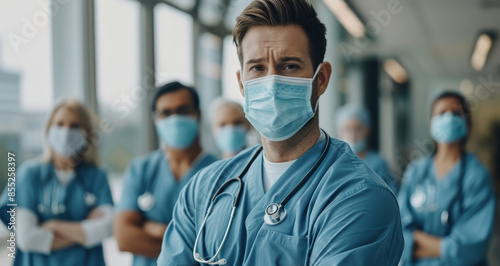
(50,225)
(426,246)
(95,213)
(154,229)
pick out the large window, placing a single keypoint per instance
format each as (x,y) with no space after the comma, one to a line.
(25,77)
(230,64)
(173,45)
(119,89)
(26,94)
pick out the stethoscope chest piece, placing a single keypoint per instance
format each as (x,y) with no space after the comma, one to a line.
(275,214)
(90,199)
(146,201)
(418,198)
(444,217)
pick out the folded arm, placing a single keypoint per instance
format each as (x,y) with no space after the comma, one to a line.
(136,235)
(33,238)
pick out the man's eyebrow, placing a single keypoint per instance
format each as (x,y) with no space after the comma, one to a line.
(255,60)
(291,58)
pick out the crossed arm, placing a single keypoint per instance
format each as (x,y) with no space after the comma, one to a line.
(138,235)
(426,245)
(58,234)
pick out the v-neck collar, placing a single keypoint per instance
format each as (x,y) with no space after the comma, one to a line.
(197,161)
(450,173)
(282,187)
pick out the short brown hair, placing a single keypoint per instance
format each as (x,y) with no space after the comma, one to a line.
(282,13)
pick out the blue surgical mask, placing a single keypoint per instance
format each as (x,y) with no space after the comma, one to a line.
(358,146)
(66,142)
(231,139)
(448,127)
(178,131)
(279,106)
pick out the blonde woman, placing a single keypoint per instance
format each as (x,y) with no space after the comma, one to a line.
(64,201)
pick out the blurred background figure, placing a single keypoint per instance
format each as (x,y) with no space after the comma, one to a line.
(353,127)
(229,126)
(447,200)
(64,204)
(153,182)
(389,56)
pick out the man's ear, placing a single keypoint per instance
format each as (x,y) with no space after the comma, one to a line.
(240,83)
(324,75)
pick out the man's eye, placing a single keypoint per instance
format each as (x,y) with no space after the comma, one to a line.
(291,67)
(257,68)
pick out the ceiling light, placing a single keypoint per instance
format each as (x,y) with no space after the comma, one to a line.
(395,71)
(481,51)
(346,17)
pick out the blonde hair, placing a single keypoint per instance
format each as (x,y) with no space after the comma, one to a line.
(90,153)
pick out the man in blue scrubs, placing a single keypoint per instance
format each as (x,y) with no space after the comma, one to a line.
(153,182)
(353,127)
(330,208)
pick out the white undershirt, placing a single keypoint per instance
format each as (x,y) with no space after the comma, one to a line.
(273,171)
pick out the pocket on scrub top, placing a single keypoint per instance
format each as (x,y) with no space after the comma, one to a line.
(273,248)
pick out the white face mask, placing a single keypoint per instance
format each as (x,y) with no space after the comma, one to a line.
(66,142)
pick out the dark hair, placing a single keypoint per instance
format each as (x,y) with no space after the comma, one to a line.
(282,13)
(462,103)
(172,87)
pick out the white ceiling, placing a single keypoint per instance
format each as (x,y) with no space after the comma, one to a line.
(436,37)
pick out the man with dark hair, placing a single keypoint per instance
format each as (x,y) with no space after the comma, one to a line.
(153,182)
(302,198)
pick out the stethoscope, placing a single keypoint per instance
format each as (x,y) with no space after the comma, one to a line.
(419,198)
(52,206)
(146,201)
(274,213)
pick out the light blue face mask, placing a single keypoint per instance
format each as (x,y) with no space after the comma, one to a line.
(178,131)
(358,146)
(231,139)
(66,142)
(279,106)
(448,127)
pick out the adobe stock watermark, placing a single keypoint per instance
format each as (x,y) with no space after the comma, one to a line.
(379,21)
(482,91)
(30,27)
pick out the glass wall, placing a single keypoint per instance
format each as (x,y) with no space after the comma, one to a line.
(119,90)
(230,64)
(26,94)
(173,45)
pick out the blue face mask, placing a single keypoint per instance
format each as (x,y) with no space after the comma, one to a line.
(178,131)
(66,142)
(231,139)
(358,146)
(279,106)
(448,127)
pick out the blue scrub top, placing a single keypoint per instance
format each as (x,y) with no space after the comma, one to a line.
(343,215)
(34,179)
(378,164)
(152,173)
(465,235)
